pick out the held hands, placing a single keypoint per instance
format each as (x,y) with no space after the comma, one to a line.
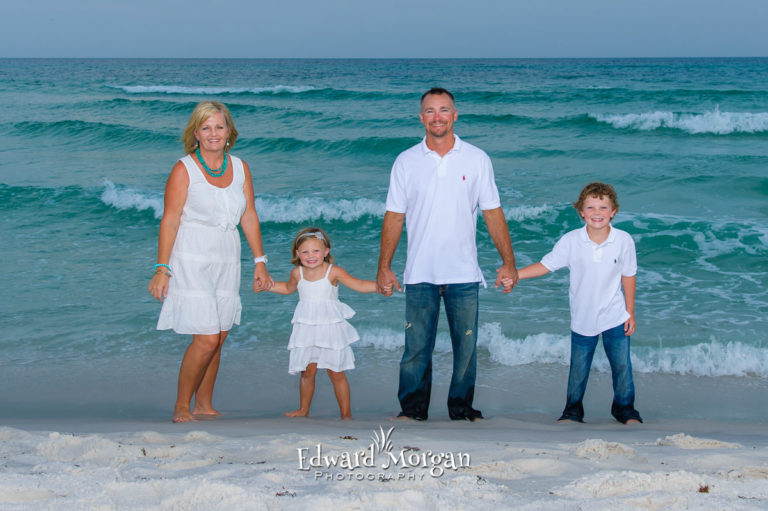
(507,277)
(261,279)
(386,282)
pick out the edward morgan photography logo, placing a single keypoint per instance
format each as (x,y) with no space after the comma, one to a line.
(387,463)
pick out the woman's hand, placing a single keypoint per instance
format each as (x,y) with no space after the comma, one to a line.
(261,279)
(158,286)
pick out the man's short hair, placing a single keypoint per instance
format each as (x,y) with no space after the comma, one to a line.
(438,91)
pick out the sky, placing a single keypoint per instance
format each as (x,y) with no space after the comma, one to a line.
(383,28)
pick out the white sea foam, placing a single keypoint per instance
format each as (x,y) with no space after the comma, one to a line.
(271,209)
(127,198)
(712,358)
(540,348)
(305,208)
(704,359)
(715,122)
(521,213)
(178,89)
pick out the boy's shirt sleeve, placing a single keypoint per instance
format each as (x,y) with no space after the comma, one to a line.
(558,257)
(629,258)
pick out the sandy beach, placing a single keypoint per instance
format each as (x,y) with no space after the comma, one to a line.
(528,462)
(704,444)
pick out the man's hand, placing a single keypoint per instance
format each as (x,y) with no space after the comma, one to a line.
(386,282)
(507,277)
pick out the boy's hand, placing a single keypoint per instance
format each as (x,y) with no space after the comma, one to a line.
(629,326)
(507,276)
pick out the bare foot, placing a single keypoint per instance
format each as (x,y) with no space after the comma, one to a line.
(183,415)
(561,421)
(632,421)
(207,412)
(297,413)
(346,418)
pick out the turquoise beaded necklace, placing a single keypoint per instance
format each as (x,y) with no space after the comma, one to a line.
(216,172)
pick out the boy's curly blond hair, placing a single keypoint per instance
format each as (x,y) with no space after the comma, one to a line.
(598,190)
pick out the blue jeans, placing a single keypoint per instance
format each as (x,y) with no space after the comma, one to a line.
(616,346)
(422,310)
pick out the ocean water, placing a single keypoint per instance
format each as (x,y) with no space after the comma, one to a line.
(88,144)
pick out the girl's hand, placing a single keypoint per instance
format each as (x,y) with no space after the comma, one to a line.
(158,286)
(386,282)
(261,279)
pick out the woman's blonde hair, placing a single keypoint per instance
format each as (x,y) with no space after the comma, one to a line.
(310,233)
(200,114)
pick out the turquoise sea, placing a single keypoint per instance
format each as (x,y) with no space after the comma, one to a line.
(87,146)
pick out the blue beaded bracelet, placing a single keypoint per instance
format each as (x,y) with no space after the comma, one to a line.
(163,265)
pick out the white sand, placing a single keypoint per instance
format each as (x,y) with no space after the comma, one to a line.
(513,463)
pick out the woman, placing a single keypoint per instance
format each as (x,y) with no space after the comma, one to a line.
(197,275)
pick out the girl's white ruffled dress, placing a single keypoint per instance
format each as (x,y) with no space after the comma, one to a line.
(321,333)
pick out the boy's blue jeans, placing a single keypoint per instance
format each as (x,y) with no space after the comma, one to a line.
(422,310)
(616,346)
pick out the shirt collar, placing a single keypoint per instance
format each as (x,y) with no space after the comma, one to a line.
(457,144)
(585,237)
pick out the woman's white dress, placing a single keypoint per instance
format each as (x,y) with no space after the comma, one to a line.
(203,292)
(321,333)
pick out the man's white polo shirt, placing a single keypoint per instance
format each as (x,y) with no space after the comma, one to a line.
(597,302)
(440,198)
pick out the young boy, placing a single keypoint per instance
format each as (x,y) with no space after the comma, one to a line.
(602,261)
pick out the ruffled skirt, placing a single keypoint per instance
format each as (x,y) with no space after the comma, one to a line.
(322,335)
(203,293)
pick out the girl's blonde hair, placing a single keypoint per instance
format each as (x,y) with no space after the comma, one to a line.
(200,114)
(310,233)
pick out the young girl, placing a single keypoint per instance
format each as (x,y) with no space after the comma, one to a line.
(321,334)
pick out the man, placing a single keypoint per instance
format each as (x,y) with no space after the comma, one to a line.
(436,187)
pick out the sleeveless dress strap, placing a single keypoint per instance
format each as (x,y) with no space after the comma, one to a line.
(301,273)
(192,170)
(329,271)
(238,170)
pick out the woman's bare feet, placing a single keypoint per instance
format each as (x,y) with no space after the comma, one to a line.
(297,413)
(207,412)
(182,414)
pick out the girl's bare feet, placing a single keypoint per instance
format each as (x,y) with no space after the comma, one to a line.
(297,413)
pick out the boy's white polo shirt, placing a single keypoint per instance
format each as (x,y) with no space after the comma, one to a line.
(597,301)
(440,197)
